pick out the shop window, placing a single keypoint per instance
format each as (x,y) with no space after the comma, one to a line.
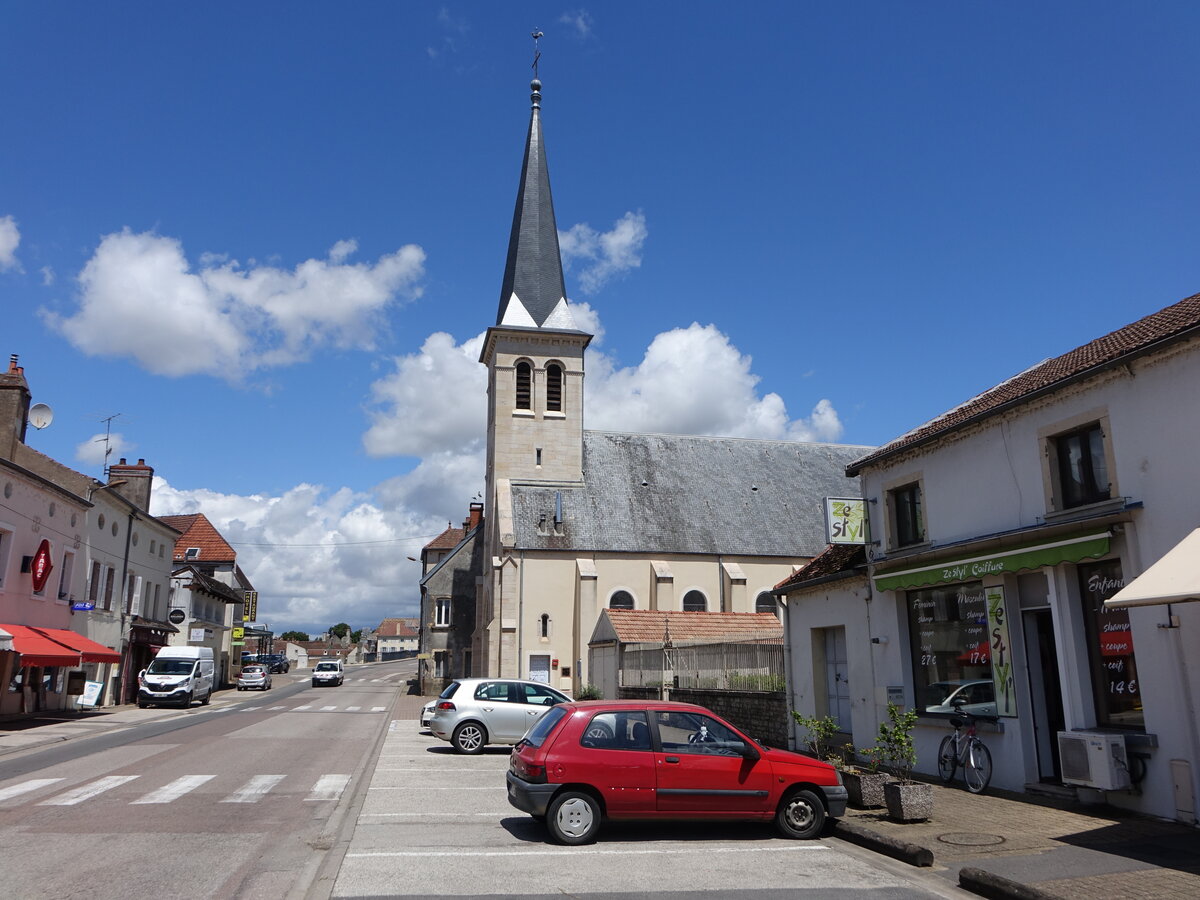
(554,387)
(524,385)
(1082,467)
(620,600)
(908,526)
(441,612)
(694,601)
(765,603)
(948,627)
(1110,648)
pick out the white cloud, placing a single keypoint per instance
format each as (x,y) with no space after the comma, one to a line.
(580,21)
(318,557)
(10,237)
(140,298)
(91,451)
(435,401)
(47,275)
(693,381)
(603,255)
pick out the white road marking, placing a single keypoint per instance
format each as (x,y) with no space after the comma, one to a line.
(274,708)
(175,789)
(88,791)
(353,708)
(576,851)
(328,708)
(378,708)
(250,708)
(329,787)
(254,789)
(26,786)
(409,787)
(298,708)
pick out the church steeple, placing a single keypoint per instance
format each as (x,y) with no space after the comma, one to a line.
(532,294)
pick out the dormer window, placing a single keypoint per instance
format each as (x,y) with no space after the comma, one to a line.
(524,386)
(192,553)
(554,387)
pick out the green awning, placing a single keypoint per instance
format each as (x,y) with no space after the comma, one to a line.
(1029,556)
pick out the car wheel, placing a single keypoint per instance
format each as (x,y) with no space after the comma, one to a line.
(573,818)
(187,701)
(207,698)
(469,737)
(142,704)
(800,815)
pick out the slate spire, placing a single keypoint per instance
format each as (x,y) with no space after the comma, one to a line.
(532,294)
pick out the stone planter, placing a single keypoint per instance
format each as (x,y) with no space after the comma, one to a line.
(908,801)
(865,789)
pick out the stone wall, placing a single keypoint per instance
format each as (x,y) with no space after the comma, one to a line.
(761,714)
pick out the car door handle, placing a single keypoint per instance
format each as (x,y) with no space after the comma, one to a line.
(672,759)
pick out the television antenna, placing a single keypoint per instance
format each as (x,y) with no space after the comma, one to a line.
(107,440)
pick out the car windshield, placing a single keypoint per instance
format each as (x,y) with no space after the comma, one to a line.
(326,667)
(546,724)
(252,670)
(171,667)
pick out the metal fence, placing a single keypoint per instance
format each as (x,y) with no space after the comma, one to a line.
(749,666)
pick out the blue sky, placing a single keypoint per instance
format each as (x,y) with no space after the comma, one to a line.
(269,235)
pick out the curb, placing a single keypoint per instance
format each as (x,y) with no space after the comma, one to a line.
(913,854)
(987,884)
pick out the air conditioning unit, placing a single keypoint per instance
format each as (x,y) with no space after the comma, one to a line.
(1094,759)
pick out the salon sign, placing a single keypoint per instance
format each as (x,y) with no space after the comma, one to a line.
(1000,648)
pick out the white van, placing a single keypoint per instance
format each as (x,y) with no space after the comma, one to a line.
(177,675)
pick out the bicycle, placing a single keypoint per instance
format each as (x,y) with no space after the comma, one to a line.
(964,748)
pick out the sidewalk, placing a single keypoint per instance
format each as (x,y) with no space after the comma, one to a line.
(1057,848)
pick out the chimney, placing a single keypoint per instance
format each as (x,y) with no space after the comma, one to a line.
(139,479)
(474,516)
(14,408)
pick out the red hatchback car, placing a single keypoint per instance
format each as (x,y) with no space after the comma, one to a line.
(587,761)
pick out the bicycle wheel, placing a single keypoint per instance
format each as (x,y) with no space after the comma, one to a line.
(977,768)
(947,759)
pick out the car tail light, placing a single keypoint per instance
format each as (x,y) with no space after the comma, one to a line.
(530,772)
(445,704)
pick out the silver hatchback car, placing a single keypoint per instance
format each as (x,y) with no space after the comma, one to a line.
(474,712)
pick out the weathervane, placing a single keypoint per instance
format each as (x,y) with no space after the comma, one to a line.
(537,54)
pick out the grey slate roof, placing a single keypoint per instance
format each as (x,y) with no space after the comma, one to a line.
(661,493)
(533,270)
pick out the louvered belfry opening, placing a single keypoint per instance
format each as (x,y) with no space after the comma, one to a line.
(554,386)
(524,386)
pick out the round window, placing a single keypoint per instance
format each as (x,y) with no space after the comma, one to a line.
(100,521)
(74,519)
(134,538)
(53,509)
(114,529)
(7,489)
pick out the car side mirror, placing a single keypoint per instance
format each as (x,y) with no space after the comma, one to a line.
(745,750)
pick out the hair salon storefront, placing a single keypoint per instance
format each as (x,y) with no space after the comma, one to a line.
(1016,628)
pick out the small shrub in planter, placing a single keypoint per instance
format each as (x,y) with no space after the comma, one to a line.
(864,782)
(906,800)
(589,692)
(820,736)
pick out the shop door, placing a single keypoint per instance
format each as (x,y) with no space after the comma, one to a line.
(1045,689)
(539,669)
(837,682)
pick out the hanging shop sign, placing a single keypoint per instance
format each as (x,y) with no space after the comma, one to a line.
(1003,678)
(41,567)
(1017,559)
(845,520)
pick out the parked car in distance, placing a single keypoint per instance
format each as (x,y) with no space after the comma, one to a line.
(327,672)
(278,663)
(474,712)
(975,697)
(592,760)
(254,678)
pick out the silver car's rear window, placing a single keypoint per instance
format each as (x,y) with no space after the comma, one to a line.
(449,691)
(545,725)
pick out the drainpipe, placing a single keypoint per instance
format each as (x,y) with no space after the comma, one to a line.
(788,686)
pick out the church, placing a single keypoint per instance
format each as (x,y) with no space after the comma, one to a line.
(579,521)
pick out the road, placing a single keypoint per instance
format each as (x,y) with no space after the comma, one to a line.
(236,799)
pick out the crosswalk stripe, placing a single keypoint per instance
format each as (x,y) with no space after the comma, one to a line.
(26,787)
(298,708)
(254,789)
(88,791)
(378,708)
(327,708)
(175,789)
(250,708)
(275,708)
(328,787)
(353,708)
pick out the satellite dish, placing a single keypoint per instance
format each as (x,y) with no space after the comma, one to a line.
(40,415)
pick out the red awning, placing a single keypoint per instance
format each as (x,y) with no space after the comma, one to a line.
(88,649)
(38,650)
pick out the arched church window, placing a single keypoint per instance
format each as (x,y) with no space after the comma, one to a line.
(765,602)
(554,387)
(544,625)
(694,601)
(621,600)
(524,385)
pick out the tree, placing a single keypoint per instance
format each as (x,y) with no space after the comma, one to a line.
(356,636)
(340,630)
(293,636)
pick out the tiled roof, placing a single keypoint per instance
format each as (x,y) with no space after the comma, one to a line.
(644,626)
(448,539)
(669,493)
(1138,337)
(395,628)
(196,531)
(833,560)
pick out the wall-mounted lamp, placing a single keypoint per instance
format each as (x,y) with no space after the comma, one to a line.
(879,640)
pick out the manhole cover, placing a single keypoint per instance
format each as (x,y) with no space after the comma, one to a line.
(967,839)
